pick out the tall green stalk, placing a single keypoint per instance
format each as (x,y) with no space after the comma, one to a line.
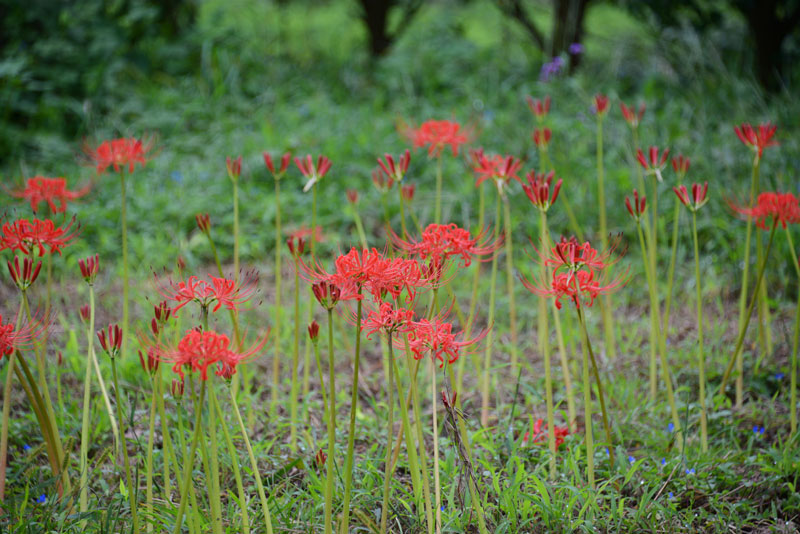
(329,479)
(512,308)
(672,260)
(295,360)
(473,303)
(237,474)
(87,400)
(125,288)
(389,433)
(151,430)
(128,480)
(278,325)
(608,319)
(745,283)
(544,336)
(437,492)
(587,415)
(438,210)
(351,434)
(701,357)
(487,359)
(7,415)
(189,459)
(214,495)
(795,340)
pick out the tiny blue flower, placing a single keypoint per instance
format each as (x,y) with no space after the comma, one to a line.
(663,461)
(690,471)
(442,508)
(26,447)
(631,459)
(42,499)
(177,176)
(608,452)
(671,428)
(779,376)
(671,496)
(575,49)
(758,430)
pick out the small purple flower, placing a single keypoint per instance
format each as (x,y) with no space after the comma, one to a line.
(631,459)
(575,49)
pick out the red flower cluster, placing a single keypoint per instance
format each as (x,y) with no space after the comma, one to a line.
(12,339)
(541,137)
(652,164)
(696,200)
(26,275)
(501,169)
(395,171)
(680,165)
(388,318)
(578,273)
(773,208)
(51,190)
(234,167)
(314,173)
(631,116)
(89,267)
(26,236)
(441,242)
(759,139)
(436,135)
(283,166)
(222,291)
(600,105)
(119,153)
(540,434)
(197,351)
(381,180)
(112,343)
(638,207)
(539,191)
(436,337)
(539,108)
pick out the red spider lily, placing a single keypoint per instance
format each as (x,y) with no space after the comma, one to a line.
(297,246)
(313,331)
(631,116)
(652,164)
(680,165)
(197,351)
(395,171)
(112,343)
(436,338)
(326,293)
(314,173)
(698,198)
(539,190)
(541,137)
(320,458)
(84,312)
(600,105)
(436,135)
(408,192)
(25,236)
(501,169)
(203,222)
(149,362)
(222,291)
(444,241)
(162,311)
(638,207)
(382,181)
(234,167)
(757,140)
(540,434)
(118,153)
(539,108)
(177,388)
(773,208)
(89,268)
(51,190)
(388,319)
(304,232)
(352,196)
(230,360)
(285,159)
(21,338)
(571,254)
(25,275)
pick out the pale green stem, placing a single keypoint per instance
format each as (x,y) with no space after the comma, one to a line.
(748,313)
(329,480)
(351,434)
(423,462)
(402,210)
(487,360)
(237,475)
(672,260)
(605,302)
(151,430)
(600,394)
(473,303)
(126,461)
(435,428)
(512,308)
(544,335)
(295,362)
(6,417)
(87,401)
(278,293)
(438,212)
(389,432)
(362,237)
(587,411)
(701,357)
(106,398)
(214,487)
(165,437)
(405,431)
(188,461)
(322,388)
(125,288)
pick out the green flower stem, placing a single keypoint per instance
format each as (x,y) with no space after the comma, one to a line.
(329,479)
(473,303)
(87,401)
(311,300)
(351,433)
(189,459)
(165,436)
(743,330)
(295,361)
(389,433)
(237,475)
(235,229)
(656,341)
(544,336)
(125,288)
(106,399)
(438,211)
(126,461)
(426,492)
(701,357)
(600,394)
(487,359)
(795,340)
(587,411)
(151,430)
(605,302)
(214,487)
(573,221)
(764,334)
(512,308)
(278,292)
(322,387)
(362,237)
(672,260)
(745,283)
(402,210)
(194,519)
(437,491)
(253,465)
(565,371)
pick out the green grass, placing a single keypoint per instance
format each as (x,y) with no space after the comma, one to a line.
(293,78)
